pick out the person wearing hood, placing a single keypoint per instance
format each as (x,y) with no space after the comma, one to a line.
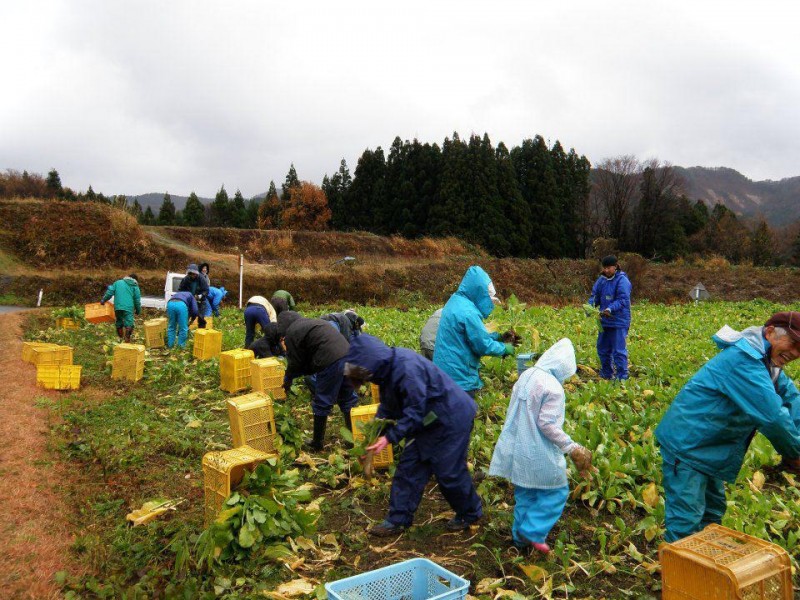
(215,297)
(204,269)
(611,295)
(427,337)
(269,344)
(127,302)
(282,300)
(196,285)
(433,415)
(182,309)
(462,339)
(530,450)
(258,311)
(348,323)
(705,433)
(314,347)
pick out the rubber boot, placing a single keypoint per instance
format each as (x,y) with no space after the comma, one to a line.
(121,332)
(348,422)
(319,433)
(128,334)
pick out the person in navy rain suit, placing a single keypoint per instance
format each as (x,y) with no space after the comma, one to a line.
(434,415)
(611,294)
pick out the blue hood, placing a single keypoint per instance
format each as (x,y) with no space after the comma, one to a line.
(368,352)
(475,287)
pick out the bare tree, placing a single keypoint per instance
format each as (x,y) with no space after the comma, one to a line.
(614,190)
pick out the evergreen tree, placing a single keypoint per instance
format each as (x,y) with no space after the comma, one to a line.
(120,202)
(54,183)
(220,209)
(335,188)
(90,195)
(251,214)
(762,245)
(238,211)
(452,214)
(512,204)
(292,181)
(166,214)
(269,213)
(364,194)
(179,219)
(148,218)
(194,213)
(136,210)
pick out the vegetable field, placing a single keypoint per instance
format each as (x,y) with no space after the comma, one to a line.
(301,522)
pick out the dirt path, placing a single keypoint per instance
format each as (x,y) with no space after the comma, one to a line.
(34,525)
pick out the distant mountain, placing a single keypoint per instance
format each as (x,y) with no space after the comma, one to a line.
(777,201)
(154,200)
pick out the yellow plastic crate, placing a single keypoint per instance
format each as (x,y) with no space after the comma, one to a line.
(66,323)
(234,369)
(51,355)
(155,332)
(207,343)
(99,313)
(29,347)
(59,377)
(209,323)
(128,362)
(266,374)
(364,414)
(375,390)
(721,564)
(252,421)
(223,471)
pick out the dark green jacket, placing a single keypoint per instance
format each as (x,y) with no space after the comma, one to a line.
(126,295)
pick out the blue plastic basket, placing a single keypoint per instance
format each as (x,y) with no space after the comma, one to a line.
(522,360)
(415,579)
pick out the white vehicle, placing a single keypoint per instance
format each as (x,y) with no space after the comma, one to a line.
(171,286)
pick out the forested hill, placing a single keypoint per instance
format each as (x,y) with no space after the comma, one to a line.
(777,201)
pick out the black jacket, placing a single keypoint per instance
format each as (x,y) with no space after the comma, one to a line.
(195,287)
(348,322)
(311,344)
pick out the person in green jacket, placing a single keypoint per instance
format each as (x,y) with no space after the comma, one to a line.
(127,301)
(281,301)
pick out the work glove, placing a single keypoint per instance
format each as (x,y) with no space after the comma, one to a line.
(605,313)
(791,465)
(582,459)
(379,445)
(511,337)
(509,351)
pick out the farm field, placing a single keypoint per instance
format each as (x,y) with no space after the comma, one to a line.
(132,443)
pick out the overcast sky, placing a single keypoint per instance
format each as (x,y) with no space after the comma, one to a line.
(180,96)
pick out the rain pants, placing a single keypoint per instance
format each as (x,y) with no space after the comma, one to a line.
(181,306)
(462,339)
(705,433)
(613,294)
(427,337)
(127,300)
(433,415)
(215,296)
(530,450)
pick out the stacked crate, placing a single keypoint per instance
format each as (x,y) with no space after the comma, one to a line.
(99,313)
(29,347)
(51,354)
(155,332)
(234,369)
(207,344)
(252,421)
(128,362)
(267,376)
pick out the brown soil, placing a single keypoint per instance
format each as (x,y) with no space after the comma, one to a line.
(33,521)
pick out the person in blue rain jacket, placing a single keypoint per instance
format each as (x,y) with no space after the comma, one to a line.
(214,299)
(182,309)
(611,294)
(705,433)
(462,339)
(433,415)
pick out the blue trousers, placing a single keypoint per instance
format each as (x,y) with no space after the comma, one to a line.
(693,499)
(448,464)
(613,353)
(254,315)
(535,513)
(332,388)
(178,315)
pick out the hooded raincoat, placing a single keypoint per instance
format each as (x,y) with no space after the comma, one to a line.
(462,339)
(706,431)
(126,295)
(215,296)
(433,415)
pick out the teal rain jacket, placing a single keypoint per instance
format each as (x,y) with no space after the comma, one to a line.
(462,338)
(713,418)
(126,295)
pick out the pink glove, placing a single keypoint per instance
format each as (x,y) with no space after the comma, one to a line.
(379,445)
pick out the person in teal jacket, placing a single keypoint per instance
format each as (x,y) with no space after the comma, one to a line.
(127,301)
(705,434)
(462,338)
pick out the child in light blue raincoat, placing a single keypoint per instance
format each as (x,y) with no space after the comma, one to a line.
(530,450)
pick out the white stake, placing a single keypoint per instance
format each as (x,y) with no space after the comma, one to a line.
(39,301)
(241,275)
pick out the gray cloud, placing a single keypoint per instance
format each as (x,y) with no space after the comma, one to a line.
(182,96)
